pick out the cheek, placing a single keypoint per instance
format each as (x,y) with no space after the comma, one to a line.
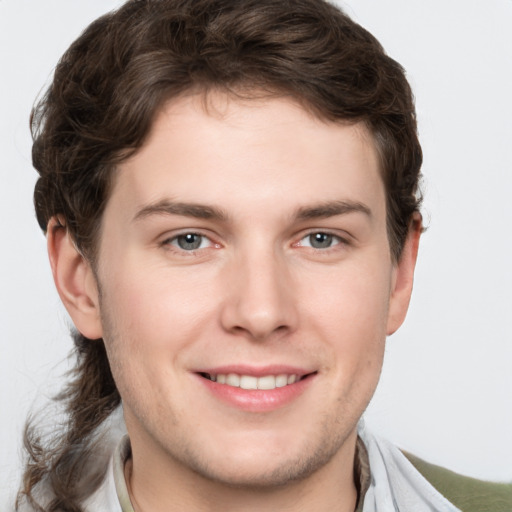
(153,297)
(153,315)
(351,299)
(349,309)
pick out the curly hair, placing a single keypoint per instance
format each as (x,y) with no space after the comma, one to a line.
(98,111)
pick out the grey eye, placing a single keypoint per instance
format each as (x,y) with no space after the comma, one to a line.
(189,241)
(320,240)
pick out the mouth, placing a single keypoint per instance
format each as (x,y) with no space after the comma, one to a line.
(251,382)
(257,389)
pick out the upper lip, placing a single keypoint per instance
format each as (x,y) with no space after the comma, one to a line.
(255,371)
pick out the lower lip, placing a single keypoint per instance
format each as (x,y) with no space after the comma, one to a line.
(257,400)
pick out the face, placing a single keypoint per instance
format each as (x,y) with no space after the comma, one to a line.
(246,285)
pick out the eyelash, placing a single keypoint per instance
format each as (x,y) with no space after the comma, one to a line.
(339,241)
(173,243)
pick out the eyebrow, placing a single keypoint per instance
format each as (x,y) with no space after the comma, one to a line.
(331,209)
(200,211)
(166,207)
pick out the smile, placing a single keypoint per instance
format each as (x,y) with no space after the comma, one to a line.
(266,382)
(257,390)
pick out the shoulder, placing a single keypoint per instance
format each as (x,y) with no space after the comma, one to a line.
(468,494)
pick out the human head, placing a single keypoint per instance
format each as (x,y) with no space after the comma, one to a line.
(116,77)
(113,79)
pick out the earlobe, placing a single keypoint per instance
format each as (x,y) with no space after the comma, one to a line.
(404,276)
(74,279)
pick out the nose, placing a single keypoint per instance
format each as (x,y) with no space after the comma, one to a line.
(260,299)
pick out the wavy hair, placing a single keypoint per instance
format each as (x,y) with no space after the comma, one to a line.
(106,91)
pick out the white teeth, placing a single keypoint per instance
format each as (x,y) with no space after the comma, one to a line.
(250,382)
(267,382)
(232,379)
(281,381)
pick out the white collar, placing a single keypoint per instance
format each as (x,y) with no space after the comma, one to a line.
(396,485)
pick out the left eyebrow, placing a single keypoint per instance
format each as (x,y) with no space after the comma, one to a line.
(331,209)
(166,207)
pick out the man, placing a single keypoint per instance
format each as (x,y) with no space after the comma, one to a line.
(230,195)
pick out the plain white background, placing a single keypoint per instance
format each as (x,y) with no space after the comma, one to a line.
(446,389)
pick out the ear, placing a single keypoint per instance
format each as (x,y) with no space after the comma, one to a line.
(74,279)
(403,277)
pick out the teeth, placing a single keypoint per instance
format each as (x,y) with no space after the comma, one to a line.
(281,381)
(232,379)
(267,382)
(250,382)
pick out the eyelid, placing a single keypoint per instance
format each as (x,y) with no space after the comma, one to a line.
(167,240)
(343,239)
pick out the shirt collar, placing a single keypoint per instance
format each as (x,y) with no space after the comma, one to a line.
(122,454)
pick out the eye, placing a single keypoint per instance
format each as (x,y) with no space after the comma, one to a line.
(320,240)
(190,242)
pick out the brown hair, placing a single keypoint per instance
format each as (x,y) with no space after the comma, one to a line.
(99,109)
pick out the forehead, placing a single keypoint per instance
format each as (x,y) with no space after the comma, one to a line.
(243,153)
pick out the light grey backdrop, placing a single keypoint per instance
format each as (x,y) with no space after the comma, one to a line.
(446,390)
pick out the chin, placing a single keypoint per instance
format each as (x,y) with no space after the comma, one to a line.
(266,475)
(265,468)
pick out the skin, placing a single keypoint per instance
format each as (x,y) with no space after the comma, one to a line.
(258,291)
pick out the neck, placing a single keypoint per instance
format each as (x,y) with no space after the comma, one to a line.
(158,487)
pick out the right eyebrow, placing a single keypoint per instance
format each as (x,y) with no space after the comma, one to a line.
(331,209)
(167,207)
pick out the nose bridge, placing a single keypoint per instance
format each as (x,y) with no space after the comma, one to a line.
(261,299)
